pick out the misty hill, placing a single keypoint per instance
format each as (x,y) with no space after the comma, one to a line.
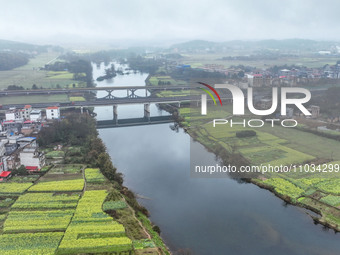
(284,45)
(14,54)
(13,46)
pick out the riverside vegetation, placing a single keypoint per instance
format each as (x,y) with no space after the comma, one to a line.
(78,206)
(314,190)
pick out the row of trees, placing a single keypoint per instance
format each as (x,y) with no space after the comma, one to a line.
(10,60)
(77,66)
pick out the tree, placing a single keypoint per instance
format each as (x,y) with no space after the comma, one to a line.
(15,87)
(34,86)
(20,171)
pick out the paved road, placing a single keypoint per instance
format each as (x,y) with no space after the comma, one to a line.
(75,90)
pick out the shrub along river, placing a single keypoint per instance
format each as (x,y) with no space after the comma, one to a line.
(207,216)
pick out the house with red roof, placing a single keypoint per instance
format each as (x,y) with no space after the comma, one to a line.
(32,158)
(52,112)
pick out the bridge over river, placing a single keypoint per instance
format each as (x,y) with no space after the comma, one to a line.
(114,101)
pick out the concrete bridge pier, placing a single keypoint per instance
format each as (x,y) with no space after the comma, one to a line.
(147,111)
(115,113)
(82,110)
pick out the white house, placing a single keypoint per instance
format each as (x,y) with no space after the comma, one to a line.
(35,115)
(31,157)
(14,114)
(52,113)
(26,112)
(2,148)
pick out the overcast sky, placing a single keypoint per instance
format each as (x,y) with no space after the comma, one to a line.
(50,21)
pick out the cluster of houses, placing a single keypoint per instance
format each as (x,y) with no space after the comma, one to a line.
(283,77)
(27,120)
(18,145)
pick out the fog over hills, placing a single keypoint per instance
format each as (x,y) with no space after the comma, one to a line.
(163,23)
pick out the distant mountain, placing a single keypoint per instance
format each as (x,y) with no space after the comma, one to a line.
(196,44)
(13,46)
(287,44)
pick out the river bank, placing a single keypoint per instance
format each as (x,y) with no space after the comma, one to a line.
(82,145)
(315,192)
(202,216)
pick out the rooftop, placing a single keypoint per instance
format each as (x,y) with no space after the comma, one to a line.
(35,111)
(5,173)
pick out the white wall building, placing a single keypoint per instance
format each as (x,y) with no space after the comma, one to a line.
(2,149)
(35,115)
(14,114)
(31,157)
(26,112)
(52,113)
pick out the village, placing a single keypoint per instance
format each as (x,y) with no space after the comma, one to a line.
(18,143)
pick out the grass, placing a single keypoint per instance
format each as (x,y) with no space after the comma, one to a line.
(155,236)
(284,187)
(34,99)
(331,200)
(13,188)
(55,154)
(60,75)
(79,99)
(155,79)
(277,146)
(51,218)
(199,60)
(29,178)
(33,201)
(93,175)
(30,74)
(37,221)
(132,226)
(114,205)
(63,185)
(92,231)
(66,169)
(30,243)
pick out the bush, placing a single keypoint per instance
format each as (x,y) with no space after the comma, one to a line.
(245,133)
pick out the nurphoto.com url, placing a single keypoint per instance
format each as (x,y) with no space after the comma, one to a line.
(268,168)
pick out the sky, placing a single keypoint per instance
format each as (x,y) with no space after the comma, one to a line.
(167,21)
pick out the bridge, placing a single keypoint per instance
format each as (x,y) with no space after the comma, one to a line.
(134,122)
(130,91)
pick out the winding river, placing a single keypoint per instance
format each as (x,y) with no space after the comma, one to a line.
(206,216)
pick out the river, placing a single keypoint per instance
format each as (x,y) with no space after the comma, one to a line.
(207,216)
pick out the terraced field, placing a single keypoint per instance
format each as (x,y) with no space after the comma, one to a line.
(57,215)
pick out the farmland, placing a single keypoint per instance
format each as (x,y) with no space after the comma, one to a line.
(199,60)
(30,243)
(276,146)
(56,215)
(14,188)
(55,186)
(93,175)
(31,73)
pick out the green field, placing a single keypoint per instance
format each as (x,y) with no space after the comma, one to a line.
(30,243)
(276,146)
(53,186)
(59,217)
(154,80)
(199,60)
(14,188)
(34,99)
(30,74)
